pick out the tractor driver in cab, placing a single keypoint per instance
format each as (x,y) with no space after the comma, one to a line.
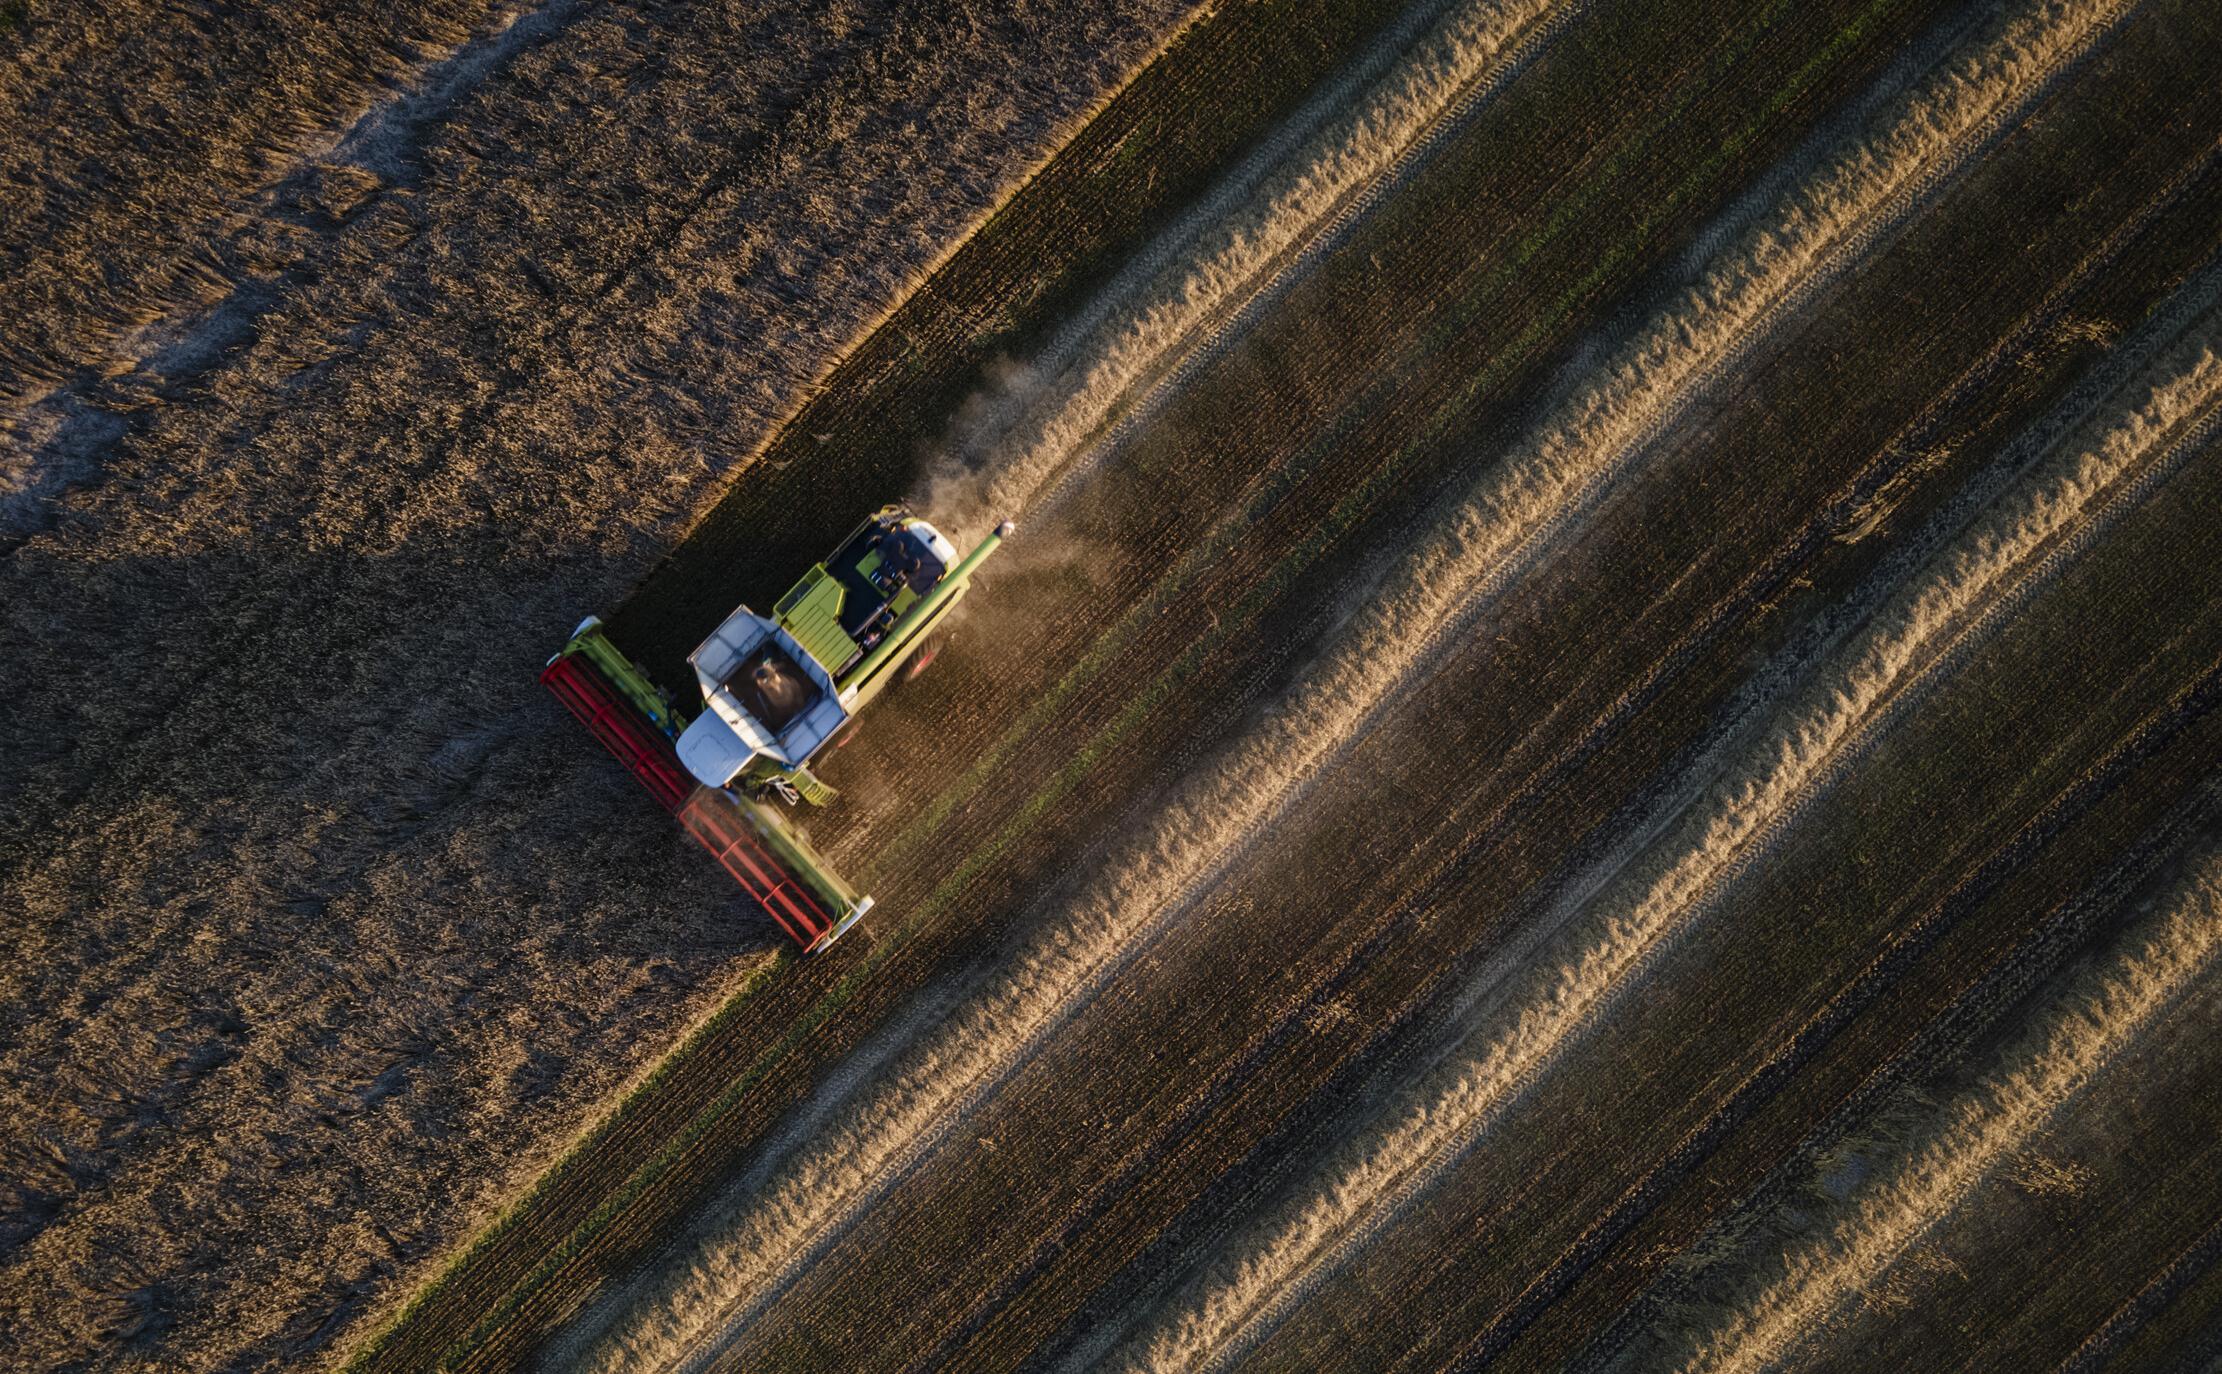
(898,557)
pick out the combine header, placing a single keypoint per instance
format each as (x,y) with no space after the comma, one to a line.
(776,690)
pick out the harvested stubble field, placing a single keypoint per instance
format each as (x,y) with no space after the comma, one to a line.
(1597,750)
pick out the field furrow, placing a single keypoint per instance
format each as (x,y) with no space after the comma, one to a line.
(1921,631)
(2095,1024)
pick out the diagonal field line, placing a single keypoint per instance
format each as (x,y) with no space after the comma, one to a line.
(2026,1090)
(1838,214)
(1112,381)
(1975,588)
(1210,338)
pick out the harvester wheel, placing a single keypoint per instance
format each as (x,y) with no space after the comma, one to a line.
(926,656)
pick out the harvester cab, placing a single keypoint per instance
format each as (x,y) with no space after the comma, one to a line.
(780,687)
(776,690)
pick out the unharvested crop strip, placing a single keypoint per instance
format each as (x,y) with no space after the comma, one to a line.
(2025,1091)
(85,417)
(1961,598)
(314,71)
(559,1178)
(226,667)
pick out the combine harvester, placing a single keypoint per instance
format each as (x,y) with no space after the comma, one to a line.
(778,690)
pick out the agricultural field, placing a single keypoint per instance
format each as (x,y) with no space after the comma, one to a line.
(1597,748)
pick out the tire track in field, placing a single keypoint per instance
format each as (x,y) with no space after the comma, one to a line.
(2026,1089)
(2001,982)
(1112,378)
(1504,527)
(2182,1270)
(2015,970)
(2052,514)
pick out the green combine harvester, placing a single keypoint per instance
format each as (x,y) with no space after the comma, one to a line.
(776,690)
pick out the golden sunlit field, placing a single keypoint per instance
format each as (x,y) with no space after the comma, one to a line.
(1597,748)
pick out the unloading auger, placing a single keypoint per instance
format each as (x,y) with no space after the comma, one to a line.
(776,690)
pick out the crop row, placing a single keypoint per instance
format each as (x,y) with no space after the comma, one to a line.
(1507,1261)
(1815,910)
(1284,945)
